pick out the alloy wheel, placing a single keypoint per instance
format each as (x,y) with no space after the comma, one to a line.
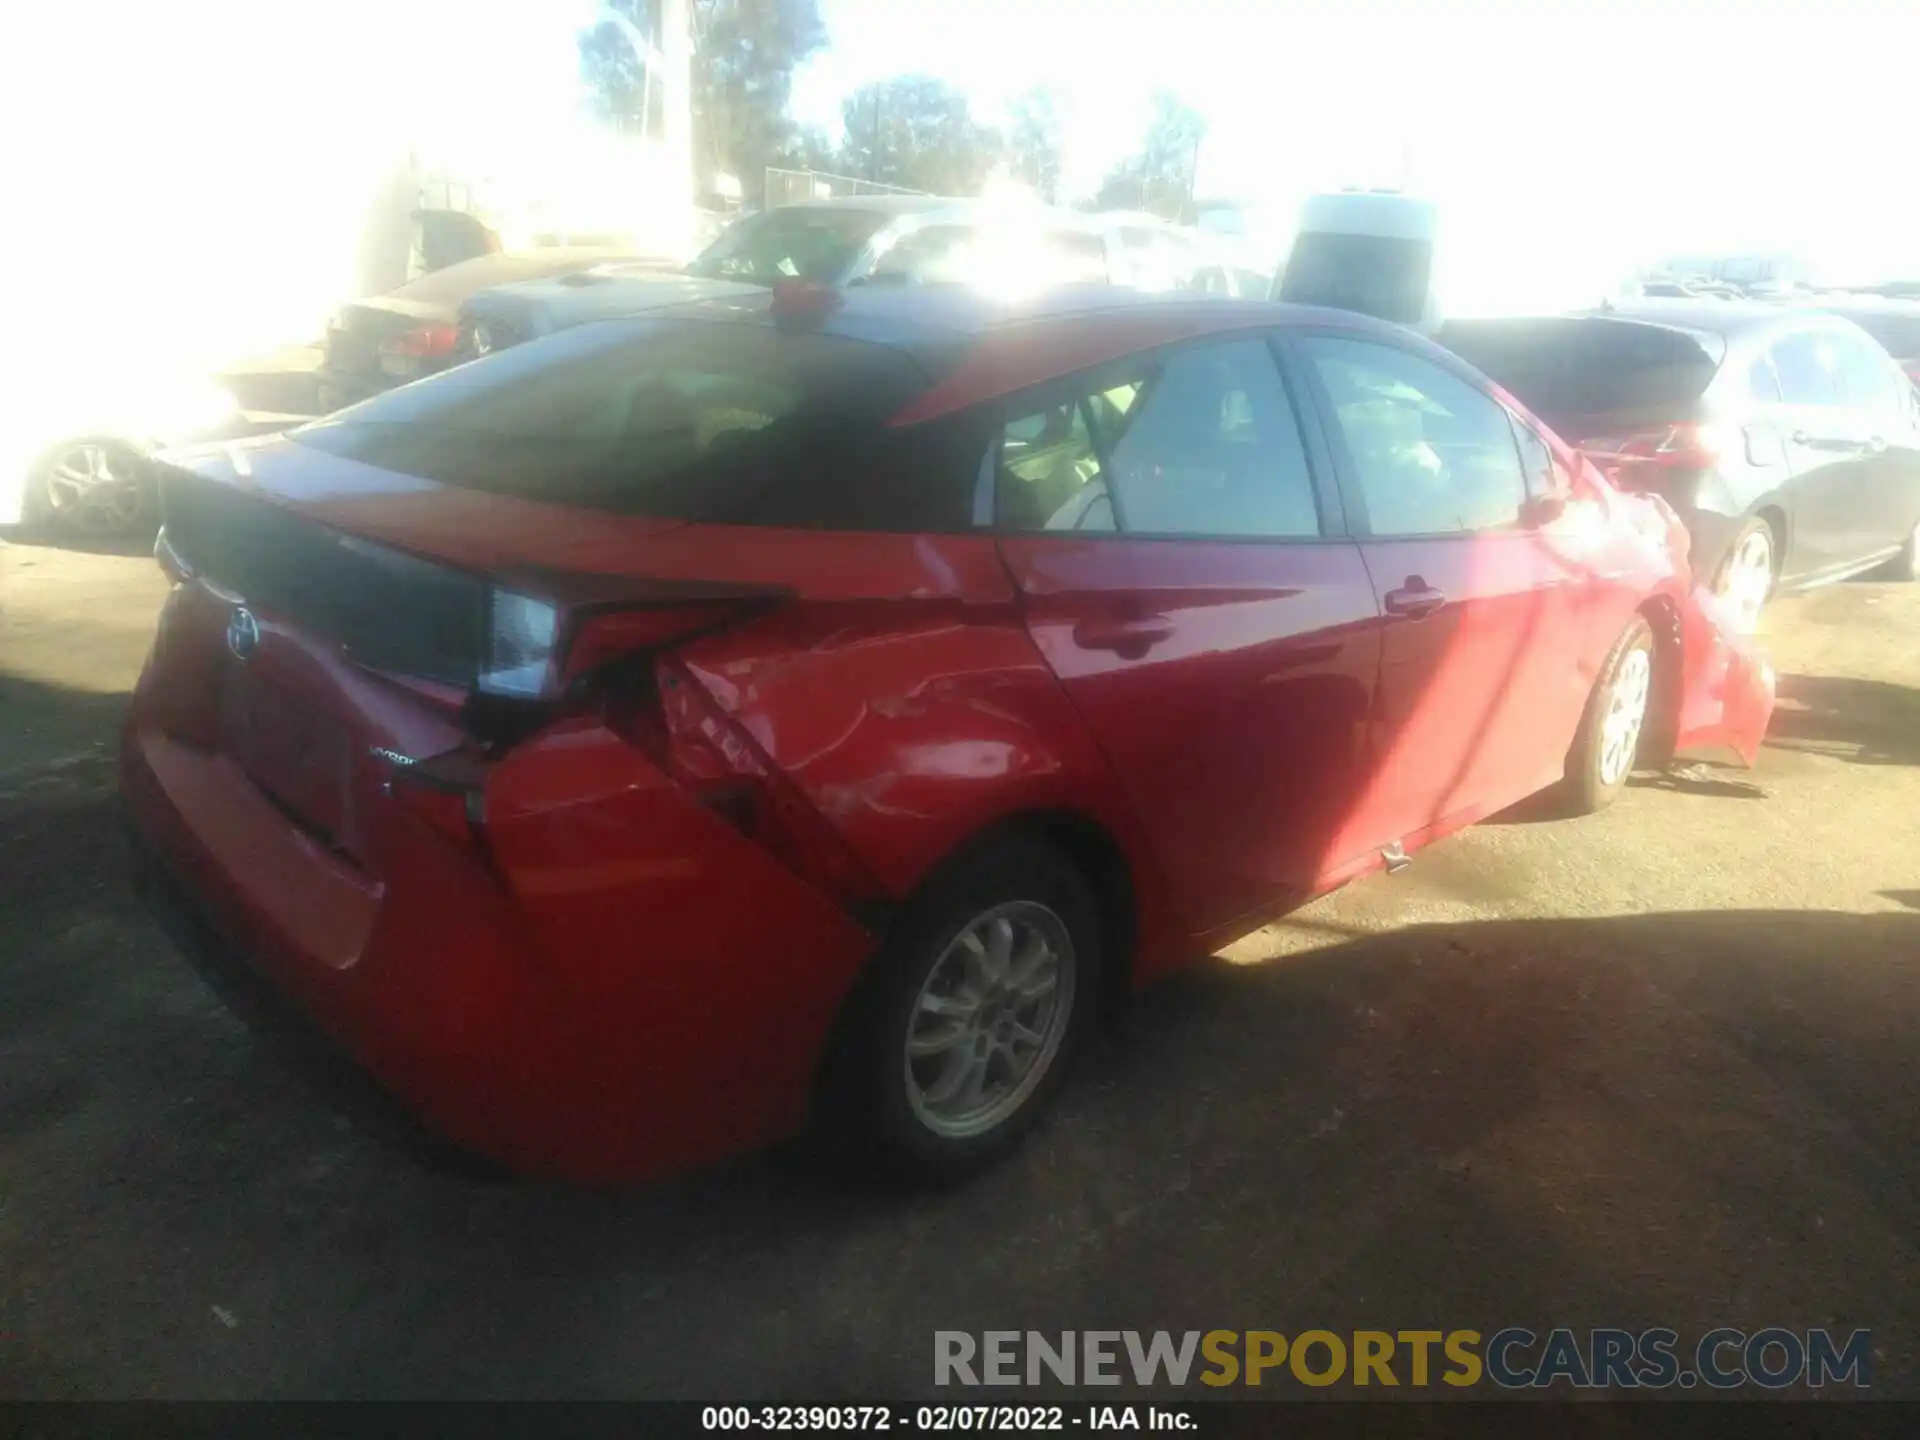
(1626,715)
(989,1019)
(1747,578)
(86,489)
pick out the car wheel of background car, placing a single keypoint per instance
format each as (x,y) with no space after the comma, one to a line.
(965,1024)
(95,486)
(1746,576)
(1607,744)
(1906,565)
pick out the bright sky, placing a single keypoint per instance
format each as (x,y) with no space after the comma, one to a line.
(1688,124)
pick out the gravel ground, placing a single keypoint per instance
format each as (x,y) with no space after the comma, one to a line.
(1653,1067)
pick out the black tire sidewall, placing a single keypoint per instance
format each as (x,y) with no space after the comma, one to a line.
(871,1093)
(1586,793)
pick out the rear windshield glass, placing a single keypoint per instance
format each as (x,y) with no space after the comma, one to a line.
(1576,366)
(1384,276)
(1899,334)
(801,242)
(674,419)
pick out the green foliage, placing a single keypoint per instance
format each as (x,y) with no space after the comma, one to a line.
(1037,140)
(916,131)
(1159,177)
(744,56)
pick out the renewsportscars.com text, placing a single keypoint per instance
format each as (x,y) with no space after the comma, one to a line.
(1771,1358)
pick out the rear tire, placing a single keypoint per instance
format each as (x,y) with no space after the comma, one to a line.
(1906,565)
(1747,573)
(90,485)
(965,1025)
(1606,747)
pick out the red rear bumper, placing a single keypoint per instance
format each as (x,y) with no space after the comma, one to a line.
(1728,691)
(616,985)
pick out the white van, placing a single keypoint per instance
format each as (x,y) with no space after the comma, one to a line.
(1395,257)
(1367,251)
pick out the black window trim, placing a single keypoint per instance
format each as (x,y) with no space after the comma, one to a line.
(1080,384)
(1352,497)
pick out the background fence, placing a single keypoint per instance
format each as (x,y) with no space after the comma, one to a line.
(785,187)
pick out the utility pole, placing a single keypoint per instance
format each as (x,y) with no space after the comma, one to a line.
(873,155)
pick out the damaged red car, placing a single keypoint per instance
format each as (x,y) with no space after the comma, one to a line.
(640,743)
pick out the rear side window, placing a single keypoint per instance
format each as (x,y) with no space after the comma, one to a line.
(1199,442)
(1868,379)
(1563,367)
(717,423)
(1806,369)
(1385,276)
(1431,454)
(1049,472)
(1762,384)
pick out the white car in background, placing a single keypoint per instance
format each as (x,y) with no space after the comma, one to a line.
(74,451)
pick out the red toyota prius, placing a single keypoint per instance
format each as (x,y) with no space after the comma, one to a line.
(640,742)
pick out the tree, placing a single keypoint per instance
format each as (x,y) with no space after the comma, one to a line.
(808,148)
(917,132)
(1037,141)
(744,56)
(1159,177)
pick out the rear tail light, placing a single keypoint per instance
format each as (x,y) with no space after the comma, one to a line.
(401,354)
(530,658)
(521,635)
(422,341)
(1645,454)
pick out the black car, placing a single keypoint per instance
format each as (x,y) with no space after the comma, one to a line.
(1894,323)
(387,340)
(1787,438)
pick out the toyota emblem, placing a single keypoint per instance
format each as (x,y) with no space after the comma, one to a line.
(243,634)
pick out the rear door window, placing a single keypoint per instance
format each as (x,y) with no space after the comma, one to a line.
(1807,369)
(1201,442)
(1868,379)
(1429,453)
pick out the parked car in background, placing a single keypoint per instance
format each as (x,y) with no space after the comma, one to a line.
(94,480)
(1787,439)
(1894,323)
(1154,255)
(808,703)
(868,240)
(385,340)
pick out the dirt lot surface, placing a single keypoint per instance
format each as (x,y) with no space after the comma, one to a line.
(1656,1067)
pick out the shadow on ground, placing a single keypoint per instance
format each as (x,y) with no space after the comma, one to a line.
(1691,1119)
(1870,722)
(134,543)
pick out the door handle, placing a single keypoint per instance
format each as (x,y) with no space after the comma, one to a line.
(1416,600)
(1801,437)
(1128,638)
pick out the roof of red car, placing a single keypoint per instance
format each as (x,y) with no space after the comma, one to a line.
(976,346)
